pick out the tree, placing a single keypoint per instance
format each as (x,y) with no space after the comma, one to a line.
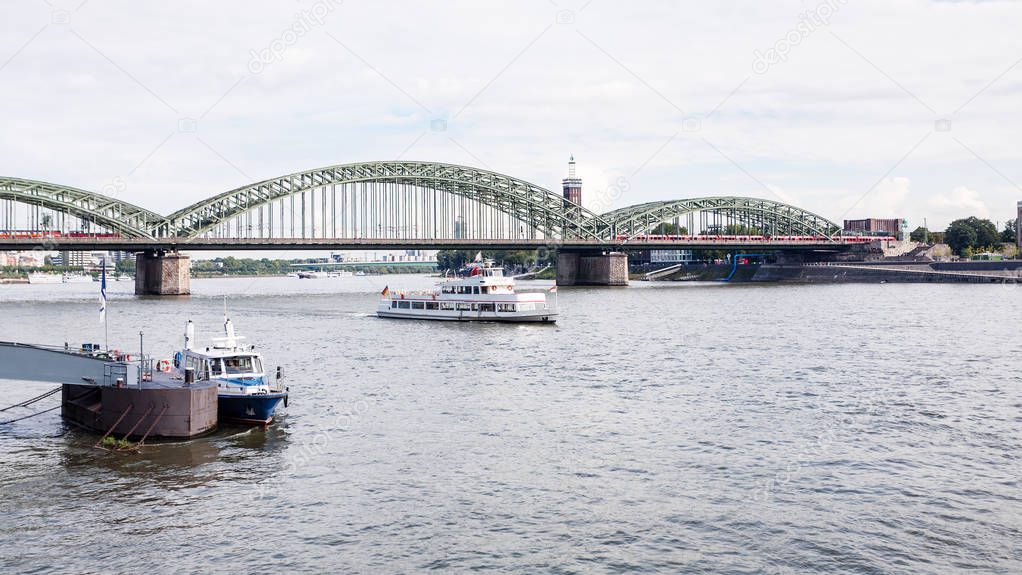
(1009,235)
(451,259)
(920,234)
(669,229)
(960,236)
(972,233)
(987,235)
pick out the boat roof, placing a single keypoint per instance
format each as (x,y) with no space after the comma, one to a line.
(221,352)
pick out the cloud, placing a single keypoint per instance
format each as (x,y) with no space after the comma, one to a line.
(959,203)
(888,199)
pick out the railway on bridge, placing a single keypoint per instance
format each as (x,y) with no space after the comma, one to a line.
(396,205)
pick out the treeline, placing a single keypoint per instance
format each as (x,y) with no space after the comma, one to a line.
(231,266)
(454,260)
(968,236)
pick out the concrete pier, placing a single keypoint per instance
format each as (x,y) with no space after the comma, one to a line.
(588,269)
(176,411)
(162,273)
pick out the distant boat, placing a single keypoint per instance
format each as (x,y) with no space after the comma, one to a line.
(76,279)
(41,278)
(340,274)
(312,275)
(360,273)
(485,295)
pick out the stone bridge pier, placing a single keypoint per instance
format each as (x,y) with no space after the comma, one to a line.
(592,269)
(162,273)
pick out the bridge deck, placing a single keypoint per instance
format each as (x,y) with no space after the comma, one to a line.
(231,244)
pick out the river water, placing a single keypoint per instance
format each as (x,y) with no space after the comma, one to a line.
(676,428)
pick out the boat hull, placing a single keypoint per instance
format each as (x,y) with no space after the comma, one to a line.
(544,316)
(248,409)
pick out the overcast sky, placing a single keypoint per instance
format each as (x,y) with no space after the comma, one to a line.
(849,109)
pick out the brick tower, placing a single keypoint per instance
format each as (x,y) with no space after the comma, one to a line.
(572,185)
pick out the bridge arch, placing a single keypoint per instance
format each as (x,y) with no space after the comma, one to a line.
(103,211)
(710,214)
(540,209)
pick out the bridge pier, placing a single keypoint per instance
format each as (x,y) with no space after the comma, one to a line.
(162,273)
(588,269)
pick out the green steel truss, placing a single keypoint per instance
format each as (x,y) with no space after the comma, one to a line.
(545,210)
(128,219)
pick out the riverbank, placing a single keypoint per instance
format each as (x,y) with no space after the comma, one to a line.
(1009,271)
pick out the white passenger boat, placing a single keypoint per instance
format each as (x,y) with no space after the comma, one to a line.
(43,278)
(484,295)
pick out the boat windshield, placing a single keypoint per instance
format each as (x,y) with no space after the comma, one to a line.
(242,364)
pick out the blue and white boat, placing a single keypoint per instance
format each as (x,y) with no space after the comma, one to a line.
(245,394)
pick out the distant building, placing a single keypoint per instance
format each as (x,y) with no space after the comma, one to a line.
(897,227)
(669,256)
(1018,227)
(572,185)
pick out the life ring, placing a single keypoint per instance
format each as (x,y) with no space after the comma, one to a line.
(163,365)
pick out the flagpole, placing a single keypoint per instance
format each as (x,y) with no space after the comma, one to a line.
(106,324)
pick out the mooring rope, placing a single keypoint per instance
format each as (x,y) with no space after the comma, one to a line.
(153,424)
(30,415)
(109,431)
(28,402)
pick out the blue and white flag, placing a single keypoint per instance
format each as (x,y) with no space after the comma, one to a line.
(102,293)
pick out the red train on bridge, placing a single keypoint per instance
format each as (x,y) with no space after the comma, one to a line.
(778,239)
(40,235)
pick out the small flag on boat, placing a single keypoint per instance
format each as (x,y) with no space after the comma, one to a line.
(102,293)
(386,290)
(553,289)
(479,256)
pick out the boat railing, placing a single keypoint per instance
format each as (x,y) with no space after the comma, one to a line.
(421,293)
(276,384)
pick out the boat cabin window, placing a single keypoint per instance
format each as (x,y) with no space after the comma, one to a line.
(486,307)
(418,305)
(432,305)
(403,304)
(475,290)
(447,305)
(463,306)
(486,289)
(214,366)
(393,303)
(241,364)
(505,307)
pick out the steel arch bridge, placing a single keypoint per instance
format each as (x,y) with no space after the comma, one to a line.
(720,215)
(396,200)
